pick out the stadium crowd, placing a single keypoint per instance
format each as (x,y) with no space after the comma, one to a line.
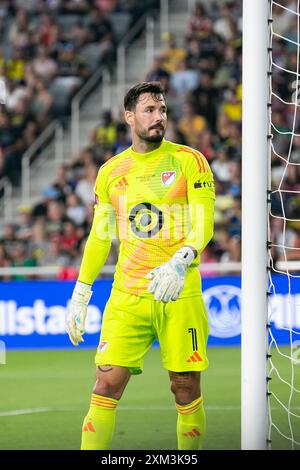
(202,80)
(48,50)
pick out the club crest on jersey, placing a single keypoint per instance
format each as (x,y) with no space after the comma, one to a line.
(168,177)
(103,346)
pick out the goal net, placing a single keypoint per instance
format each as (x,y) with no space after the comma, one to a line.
(284,226)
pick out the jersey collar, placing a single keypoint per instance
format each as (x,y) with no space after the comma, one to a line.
(142,156)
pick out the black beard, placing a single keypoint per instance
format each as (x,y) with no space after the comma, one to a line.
(156,138)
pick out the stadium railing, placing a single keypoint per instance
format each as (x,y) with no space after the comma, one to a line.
(145,21)
(53,129)
(78,100)
(109,269)
(228,267)
(6,191)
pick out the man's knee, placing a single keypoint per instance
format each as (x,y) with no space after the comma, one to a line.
(185,386)
(111,381)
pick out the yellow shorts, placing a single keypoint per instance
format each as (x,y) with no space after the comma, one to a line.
(131,324)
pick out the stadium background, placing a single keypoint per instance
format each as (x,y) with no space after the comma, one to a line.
(49,50)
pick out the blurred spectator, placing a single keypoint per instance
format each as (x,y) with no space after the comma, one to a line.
(229,69)
(106,6)
(195,24)
(122,141)
(43,65)
(49,193)
(208,256)
(105,134)
(47,32)
(68,238)
(5,261)
(232,107)
(184,80)
(38,246)
(15,65)
(75,210)
(78,36)
(20,31)
(74,6)
(41,103)
(55,218)
(54,256)
(222,26)
(193,54)
(205,99)
(85,186)
(211,43)
(24,227)
(221,165)
(171,54)
(233,252)
(191,125)
(63,184)
(9,238)
(100,28)
(20,259)
(157,73)
(72,68)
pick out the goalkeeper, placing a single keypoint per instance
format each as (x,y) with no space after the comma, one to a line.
(161,197)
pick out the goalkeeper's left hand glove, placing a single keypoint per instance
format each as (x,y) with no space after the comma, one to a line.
(168,279)
(77,312)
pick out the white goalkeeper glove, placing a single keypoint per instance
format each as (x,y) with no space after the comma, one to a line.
(167,280)
(77,312)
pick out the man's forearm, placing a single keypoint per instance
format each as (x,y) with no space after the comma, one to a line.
(95,254)
(98,243)
(202,221)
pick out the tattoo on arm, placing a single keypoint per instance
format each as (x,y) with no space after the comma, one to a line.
(106,368)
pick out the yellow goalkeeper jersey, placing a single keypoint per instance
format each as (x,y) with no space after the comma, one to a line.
(161,201)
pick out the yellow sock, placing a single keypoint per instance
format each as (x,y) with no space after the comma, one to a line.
(191,425)
(99,423)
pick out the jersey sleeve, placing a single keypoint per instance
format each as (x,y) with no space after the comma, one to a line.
(102,231)
(199,177)
(201,197)
(101,187)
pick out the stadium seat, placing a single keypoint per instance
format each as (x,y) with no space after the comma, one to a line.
(120,23)
(92,55)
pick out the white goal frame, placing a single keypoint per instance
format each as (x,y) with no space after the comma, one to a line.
(254,409)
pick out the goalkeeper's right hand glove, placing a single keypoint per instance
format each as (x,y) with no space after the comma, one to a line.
(77,312)
(167,280)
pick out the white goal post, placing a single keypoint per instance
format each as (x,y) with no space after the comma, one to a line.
(254,225)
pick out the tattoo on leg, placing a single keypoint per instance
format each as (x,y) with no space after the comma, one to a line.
(106,368)
(182,378)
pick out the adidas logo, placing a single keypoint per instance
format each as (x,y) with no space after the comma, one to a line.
(195,358)
(123,182)
(193,433)
(88,427)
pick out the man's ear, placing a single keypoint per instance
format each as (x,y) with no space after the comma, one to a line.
(129,117)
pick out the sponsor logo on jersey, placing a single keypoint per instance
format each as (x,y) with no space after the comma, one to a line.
(103,346)
(122,183)
(203,184)
(193,433)
(195,358)
(168,177)
(88,427)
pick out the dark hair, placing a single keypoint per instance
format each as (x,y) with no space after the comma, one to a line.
(132,96)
